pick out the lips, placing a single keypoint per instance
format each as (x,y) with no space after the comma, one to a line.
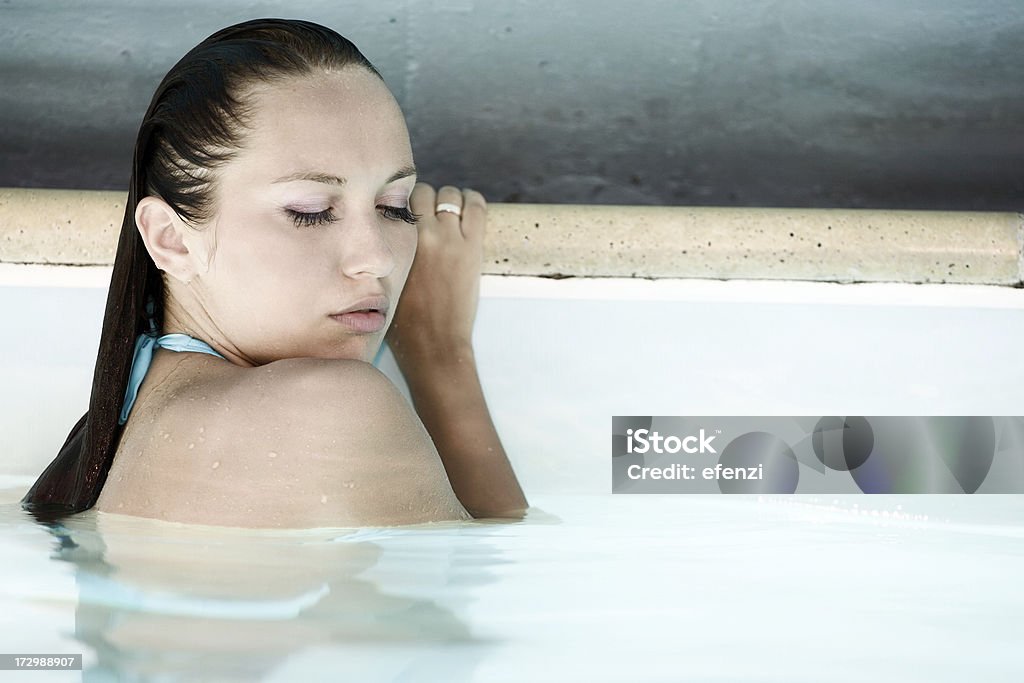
(377,303)
(367,315)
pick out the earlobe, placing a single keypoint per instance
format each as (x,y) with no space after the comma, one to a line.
(162,230)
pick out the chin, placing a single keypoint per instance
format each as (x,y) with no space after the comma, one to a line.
(356,349)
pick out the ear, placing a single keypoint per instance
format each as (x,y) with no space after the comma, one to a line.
(163,231)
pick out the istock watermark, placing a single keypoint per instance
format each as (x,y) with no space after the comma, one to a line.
(817,454)
(646,440)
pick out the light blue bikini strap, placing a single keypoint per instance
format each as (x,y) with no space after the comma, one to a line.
(145,345)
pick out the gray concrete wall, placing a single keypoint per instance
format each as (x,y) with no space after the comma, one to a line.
(799,103)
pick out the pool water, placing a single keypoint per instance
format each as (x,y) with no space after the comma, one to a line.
(588,587)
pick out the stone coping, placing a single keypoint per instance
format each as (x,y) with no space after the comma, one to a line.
(72,227)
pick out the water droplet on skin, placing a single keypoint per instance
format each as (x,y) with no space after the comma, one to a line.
(191,445)
(349,484)
(271,454)
(323,498)
(216,465)
(202,429)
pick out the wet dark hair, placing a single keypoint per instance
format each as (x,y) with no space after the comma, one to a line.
(194,124)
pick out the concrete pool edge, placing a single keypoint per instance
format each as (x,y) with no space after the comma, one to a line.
(80,228)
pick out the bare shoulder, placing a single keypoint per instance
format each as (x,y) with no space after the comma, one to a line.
(319,389)
(301,442)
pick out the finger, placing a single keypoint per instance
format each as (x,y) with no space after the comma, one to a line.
(449,194)
(474,215)
(422,200)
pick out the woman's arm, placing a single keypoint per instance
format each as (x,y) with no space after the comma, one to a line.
(431,338)
(450,401)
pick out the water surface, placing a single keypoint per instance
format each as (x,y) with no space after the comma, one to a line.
(587,587)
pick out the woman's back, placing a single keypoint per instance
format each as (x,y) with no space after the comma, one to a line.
(299,442)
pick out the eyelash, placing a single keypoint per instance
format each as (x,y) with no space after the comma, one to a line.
(305,220)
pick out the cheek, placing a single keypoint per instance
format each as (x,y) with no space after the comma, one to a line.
(257,246)
(254,269)
(403,246)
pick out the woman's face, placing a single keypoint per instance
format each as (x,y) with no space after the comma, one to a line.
(305,221)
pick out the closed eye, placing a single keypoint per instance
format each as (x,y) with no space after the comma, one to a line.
(395,213)
(310,219)
(400,213)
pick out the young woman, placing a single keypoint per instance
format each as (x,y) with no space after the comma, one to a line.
(272,222)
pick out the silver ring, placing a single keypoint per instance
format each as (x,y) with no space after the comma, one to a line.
(450,208)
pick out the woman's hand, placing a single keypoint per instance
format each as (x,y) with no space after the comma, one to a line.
(435,314)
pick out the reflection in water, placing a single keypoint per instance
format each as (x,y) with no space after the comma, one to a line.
(615,588)
(235,605)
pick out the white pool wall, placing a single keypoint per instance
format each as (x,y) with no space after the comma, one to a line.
(559,358)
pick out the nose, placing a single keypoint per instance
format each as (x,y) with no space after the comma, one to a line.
(365,249)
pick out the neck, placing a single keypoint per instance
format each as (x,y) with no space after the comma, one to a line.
(184,313)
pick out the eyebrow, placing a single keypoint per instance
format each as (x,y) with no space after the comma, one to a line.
(318,177)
